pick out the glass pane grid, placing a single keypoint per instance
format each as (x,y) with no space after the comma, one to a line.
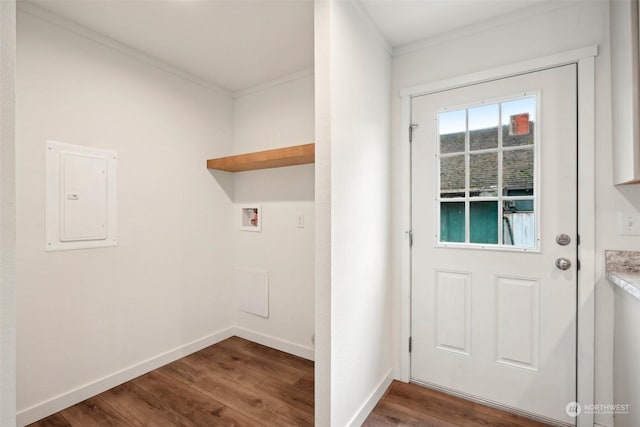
(518,198)
(521,148)
(489,150)
(496,206)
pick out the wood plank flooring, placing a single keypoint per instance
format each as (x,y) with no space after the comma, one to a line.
(413,405)
(240,383)
(233,383)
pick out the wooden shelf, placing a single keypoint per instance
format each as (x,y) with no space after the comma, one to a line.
(288,156)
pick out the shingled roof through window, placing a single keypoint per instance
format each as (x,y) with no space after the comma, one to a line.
(517,165)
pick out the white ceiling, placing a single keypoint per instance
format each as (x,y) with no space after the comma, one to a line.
(239,44)
(231,44)
(407,21)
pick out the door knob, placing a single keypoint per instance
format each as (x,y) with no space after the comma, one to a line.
(563,263)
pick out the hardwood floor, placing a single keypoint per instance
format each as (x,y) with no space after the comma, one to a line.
(233,383)
(413,405)
(240,383)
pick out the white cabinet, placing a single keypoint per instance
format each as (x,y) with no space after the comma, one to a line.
(625,94)
(627,358)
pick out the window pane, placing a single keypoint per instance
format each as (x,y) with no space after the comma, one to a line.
(519,226)
(523,205)
(483,222)
(452,128)
(517,173)
(452,174)
(483,174)
(483,127)
(518,122)
(452,222)
(477,188)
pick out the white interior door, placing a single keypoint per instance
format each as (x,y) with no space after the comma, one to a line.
(494,185)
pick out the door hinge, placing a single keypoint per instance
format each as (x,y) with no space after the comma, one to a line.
(412,126)
(578,239)
(409,344)
(578,266)
(410,236)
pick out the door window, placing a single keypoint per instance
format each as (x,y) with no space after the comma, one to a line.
(487,169)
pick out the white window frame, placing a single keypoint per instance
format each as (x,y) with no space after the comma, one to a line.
(585,60)
(467,199)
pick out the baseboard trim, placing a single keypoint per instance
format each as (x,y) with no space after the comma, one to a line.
(70,398)
(397,374)
(277,343)
(364,411)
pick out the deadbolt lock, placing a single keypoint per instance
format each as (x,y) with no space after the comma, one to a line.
(563,263)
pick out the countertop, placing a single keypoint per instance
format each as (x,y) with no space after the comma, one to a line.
(630,282)
(623,270)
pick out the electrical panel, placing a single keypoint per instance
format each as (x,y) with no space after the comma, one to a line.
(80,197)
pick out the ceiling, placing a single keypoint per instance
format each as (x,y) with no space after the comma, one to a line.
(239,44)
(231,44)
(407,21)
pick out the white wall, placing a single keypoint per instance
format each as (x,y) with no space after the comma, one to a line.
(90,315)
(356,116)
(546,29)
(323,321)
(278,116)
(7,214)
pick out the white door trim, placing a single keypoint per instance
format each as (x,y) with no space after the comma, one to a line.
(585,59)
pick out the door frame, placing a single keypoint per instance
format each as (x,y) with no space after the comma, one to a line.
(585,60)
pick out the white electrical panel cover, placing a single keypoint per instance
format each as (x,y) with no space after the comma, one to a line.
(80,197)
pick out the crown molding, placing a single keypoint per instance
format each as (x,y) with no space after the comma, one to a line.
(372,24)
(86,32)
(480,27)
(308,72)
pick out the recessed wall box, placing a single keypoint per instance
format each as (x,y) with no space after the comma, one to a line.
(251,217)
